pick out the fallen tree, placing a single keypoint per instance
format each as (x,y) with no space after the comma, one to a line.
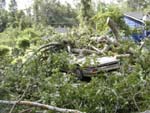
(39,105)
(113,27)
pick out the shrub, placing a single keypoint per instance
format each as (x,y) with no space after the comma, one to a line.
(24,43)
(30,32)
(4,50)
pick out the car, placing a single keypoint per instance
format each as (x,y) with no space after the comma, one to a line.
(95,66)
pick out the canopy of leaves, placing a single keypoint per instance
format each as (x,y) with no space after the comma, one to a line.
(139,5)
(122,91)
(51,12)
(4,50)
(125,90)
(100,19)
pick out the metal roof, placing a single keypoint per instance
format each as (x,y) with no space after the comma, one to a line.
(137,16)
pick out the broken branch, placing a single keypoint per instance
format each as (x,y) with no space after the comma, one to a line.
(122,56)
(113,27)
(24,93)
(83,51)
(42,106)
(96,49)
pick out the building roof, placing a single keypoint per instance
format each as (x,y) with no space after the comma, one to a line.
(137,16)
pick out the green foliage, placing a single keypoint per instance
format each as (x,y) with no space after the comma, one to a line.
(123,91)
(24,43)
(4,50)
(30,32)
(139,5)
(86,12)
(13,7)
(3,19)
(115,14)
(136,30)
(11,35)
(147,25)
(51,12)
(126,90)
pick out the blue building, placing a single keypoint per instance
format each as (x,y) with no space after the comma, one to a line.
(135,21)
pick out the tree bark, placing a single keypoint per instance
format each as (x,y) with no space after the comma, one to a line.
(83,51)
(113,27)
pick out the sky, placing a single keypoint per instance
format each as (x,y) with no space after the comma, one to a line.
(23,4)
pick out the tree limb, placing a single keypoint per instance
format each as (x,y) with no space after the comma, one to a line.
(83,51)
(46,47)
(122,56)
(26,111)
(22,96)
(113,27)
(96,49)
(105,39)
(142,45)
(39,105)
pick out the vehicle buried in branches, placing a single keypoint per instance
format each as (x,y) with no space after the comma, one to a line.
(84,66)
(85,70)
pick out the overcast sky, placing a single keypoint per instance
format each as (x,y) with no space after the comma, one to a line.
(23,4)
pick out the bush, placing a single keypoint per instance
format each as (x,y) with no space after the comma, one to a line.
(4,50)
(24,43)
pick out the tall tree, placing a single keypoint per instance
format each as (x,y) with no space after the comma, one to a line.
(138,5)
(13,6)
(85,12)
(13,14)
(52,12)
(3,15)
(36,8)
(2,4)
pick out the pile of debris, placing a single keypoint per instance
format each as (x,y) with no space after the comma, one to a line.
(79,56)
